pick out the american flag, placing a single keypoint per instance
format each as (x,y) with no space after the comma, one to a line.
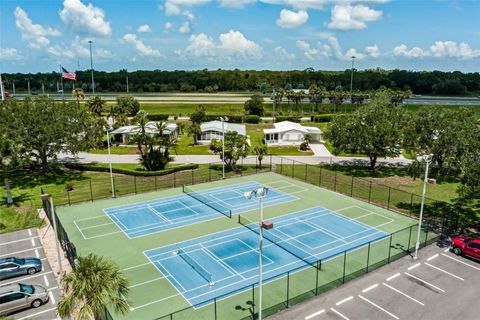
(68,75)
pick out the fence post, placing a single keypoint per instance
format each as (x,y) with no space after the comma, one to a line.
(174,179)
(68,197)
(370,192)
(215,307)
(91,190)
(135,183)
(344,265)
(409,239)
(316,280)
(320,178)
(210,172)
(256,164)
(368,255)
(288,288)
(351,187)
(335,183)
(426,237)
(193,177)
(293,170)
(306,170)
(281,165)
(411,204)
(390,248)
(114,186)
(271,165)
(253,300)
(388,202)
(155,182)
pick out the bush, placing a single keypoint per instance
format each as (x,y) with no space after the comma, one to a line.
(157,117)
(287,118)
(322,117)
(96,168)
(252,119)
(304,146)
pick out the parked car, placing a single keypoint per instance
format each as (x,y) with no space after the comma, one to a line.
(18,296)
(466,246)
(14,267)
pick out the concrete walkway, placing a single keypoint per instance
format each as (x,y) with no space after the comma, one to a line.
(319,150)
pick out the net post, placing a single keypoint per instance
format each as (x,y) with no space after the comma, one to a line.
(215,307)
(368,256)
(344,265)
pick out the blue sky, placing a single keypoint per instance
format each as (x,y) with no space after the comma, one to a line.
(247,34)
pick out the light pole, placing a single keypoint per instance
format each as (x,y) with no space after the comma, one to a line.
(223,119)
(28,85)
(274,94)
(110,163)
(427,159)
(91,66)
(260,194)
(351,79)
(1,88)
(126,71)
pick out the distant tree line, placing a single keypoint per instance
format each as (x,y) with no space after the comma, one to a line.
(419,82)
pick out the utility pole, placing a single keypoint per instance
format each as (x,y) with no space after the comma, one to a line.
(1,88)
(91,66)
(351,79)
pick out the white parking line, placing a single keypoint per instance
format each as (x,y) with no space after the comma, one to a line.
(37,254)
(446,250)
(33,242)
(29,232)
(414,266)
(462,262)
(15,241)
(427,283)
(344,300)
(377,306)
(14,253)
(338,313)
(403,294)
(51,289)
(46,280)
(432,257)
(393,277)
(32,316)
(444,271)
(370,288)
(52,299)
(314,314)
(22,279)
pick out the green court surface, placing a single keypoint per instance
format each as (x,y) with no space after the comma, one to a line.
(152,296)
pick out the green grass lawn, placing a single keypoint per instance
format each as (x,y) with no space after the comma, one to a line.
(186,146)
(17,218)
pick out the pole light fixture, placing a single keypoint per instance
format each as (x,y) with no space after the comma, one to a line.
(91,66)
(427,159)
(223,119)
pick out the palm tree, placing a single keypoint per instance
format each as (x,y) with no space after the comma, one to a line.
(260,151)
(280,94)
(78,95)
(96,105)
(94,284)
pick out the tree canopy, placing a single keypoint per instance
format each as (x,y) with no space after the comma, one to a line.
(236,147)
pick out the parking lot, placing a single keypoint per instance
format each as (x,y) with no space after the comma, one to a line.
(23,244)
(439,285)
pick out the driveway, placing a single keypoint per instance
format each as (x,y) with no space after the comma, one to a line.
(319,150)
(23,244)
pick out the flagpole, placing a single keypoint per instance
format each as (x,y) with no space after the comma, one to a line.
(61,81)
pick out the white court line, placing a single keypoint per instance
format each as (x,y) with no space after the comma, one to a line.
(153,302)
(145,282)
(338,313)
(314,314)
(96,225)
(376,305)
(370,288)
(220,261)
(427,283)
(52,299)
(32,316)
(158,214)
(393,277)
(138,265)
(46,280)
(14,253)
(414,266)
(37,254)
(30,277)
(15,241)
(444,271)
(344,300)
(79,230)
(432,257)
(403,294)
(462,262)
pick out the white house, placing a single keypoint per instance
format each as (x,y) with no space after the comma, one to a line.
(123,134)
(213,129)
(289,133)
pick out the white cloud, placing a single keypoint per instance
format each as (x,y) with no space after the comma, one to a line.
(78,48)
(309,52)
(35,35)
(452,49)
(237,4)
(300,4)
(168,25)
(352,17)
(174,7)
(185,27)
(283,54)
(140,46)
(333,50)
(415,52)
(231,45)
(10,54)
(85,18)
(144,28)
(292,19)
(372,51)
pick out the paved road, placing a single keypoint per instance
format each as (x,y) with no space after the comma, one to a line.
(23,244)
(438,286)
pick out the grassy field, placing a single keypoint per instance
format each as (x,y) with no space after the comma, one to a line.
(115,150)
(16,218)
(151,294)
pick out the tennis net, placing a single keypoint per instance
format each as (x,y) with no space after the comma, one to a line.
(208,202)
(195,265)
(283,243)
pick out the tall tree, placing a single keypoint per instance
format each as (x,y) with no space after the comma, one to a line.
(260,151)
(96,105)
(236,147)
(94,284)
(254,105)
(197,117)
(78,95)
(127,104)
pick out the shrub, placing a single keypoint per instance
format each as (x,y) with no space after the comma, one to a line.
(322,117)
(96,168)
(252,119)
(157,117)
(304,146)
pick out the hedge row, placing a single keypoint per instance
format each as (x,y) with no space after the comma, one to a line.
(327,117)
(157,117)
(95,167)
(288,118)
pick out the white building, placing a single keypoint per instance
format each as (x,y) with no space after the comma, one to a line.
(290,133)
(123,134)
(213,130)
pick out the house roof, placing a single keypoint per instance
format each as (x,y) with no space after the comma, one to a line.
(217,126)
(285,126)
(150,128)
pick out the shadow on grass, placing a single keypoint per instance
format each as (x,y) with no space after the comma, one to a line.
(360,168)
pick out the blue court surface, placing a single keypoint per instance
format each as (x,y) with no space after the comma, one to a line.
(226,262)
(144,218)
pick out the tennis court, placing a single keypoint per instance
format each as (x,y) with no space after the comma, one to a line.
(222,263)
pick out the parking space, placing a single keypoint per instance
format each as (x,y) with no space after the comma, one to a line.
(24,244)
(439,285)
